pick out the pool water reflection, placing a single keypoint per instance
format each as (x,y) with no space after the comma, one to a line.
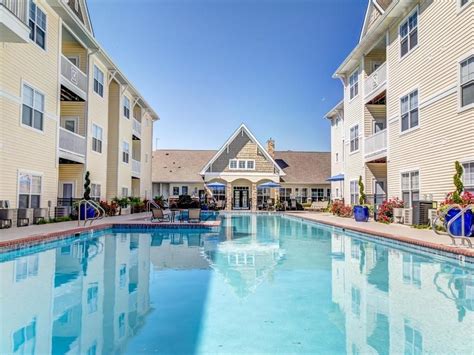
(262,284)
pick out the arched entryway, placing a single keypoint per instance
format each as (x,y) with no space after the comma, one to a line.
(241,194)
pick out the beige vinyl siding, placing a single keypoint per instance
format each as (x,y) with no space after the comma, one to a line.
(112,140)
(373,113)
(71,109)
(24,148)
(146,149)
(74,49)
(124,178)
(374,171)
(72,173)
(444,134)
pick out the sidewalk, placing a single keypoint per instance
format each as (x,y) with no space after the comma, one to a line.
(421,237)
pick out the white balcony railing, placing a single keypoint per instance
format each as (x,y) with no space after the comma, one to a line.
(74,75)
(136,127)
(19,8)
(72,142)
(376,143)
(136,168)
(376,79)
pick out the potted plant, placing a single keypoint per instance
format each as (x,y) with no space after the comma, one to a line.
(455,202)
(85,209)
(122,203)
(361,211)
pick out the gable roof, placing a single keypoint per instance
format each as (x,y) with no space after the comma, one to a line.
(372,6)
(304,167)
(243,128)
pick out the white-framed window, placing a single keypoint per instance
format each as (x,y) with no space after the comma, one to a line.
(92,297)
(98,81)
(409,111)
(37,24)
(70,124)
(241,164)
(354,84)
(121,325)
(175,190)
(32,114)
(411,270)
(95,192)
(354,135)
(126,106)
(124,191)
(355,301)
(74,60)
(409,33)
(125,152)
(123,275)
(29,190)
(467,82)
(468,175)
(317,194)
(410,183)
(413,339)
(24,339)
(354,188)
(96,138)
(184,190)
(25,267)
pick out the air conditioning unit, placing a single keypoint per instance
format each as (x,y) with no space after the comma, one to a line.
(432,214)
(407,216)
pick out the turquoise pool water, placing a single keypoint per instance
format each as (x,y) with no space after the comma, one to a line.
(260,284)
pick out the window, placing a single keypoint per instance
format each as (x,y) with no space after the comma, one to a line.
(413,340)
(121,324)
(354,188)
(92,293)
(354,84)
(355,301)
(29,191)
(410,187)
(354,134)
(125,152)
(409,34)
(411,270)
(124,191)
(123,275)
(37,24)
(317,194)
(95,192)
(175,191)
(285,194)
(409,111)
(468,175)
(184,190)
(219,193)
(241,164)
(24,339)
(70,124)
(96,138)
(74,60)
(467,82)
(26,267)
(463,2)
(263,194)
(126,106)
(250,164)
(33,108)
(98,81)
(233,164)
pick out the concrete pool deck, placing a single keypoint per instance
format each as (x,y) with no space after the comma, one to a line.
(399,232)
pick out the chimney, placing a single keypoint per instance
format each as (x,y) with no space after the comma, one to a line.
(271,148)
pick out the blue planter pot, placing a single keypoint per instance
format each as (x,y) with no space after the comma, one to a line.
(361,213)
(456,228)
(90,212)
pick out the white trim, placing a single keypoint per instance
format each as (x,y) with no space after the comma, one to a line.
(23,83)
(30,172)
(358,83)
(358,138)
(465,57)
(410,129)
(241,173)
(242,128)
(94,65)
(75,119)
(461,8)
(409,171)
(45,49)
(437,96)
(417,10)
(92,137)
(238,161)
(61,190)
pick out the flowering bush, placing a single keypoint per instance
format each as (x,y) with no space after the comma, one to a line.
(463,199)
(109,208)
(385,211)
(339,209)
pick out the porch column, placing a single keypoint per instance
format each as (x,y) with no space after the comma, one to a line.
(228,196)
(254,197)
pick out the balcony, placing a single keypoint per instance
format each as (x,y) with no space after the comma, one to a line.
(375,82)
(73,82)
(136,128)
(136,168)
(14,21)
(376,146)
(72,146)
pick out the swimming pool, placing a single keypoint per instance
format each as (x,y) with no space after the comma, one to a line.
(258,284)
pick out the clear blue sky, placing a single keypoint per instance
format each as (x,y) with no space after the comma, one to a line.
(208,65)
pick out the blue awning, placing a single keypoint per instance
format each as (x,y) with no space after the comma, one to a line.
(215,185)
(338,177)
(269,185)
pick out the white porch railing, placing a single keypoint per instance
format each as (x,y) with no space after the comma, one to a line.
(376,143)
(19,8)
(136,167)
(136,127)
(72,142)
(376,79)
(73,74)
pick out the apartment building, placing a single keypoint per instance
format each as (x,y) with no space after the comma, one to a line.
(408,108)
(66,109)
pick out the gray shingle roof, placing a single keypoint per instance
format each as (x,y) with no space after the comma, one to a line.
(304,167)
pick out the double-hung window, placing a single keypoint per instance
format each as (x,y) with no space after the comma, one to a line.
(409,34)
(409,111)
(98,81)
(241,164)
(184,190)
(96,138)
(124,191)
(467,82)
(126,106)
(317,194)
(95,192)
(410,187)
(125,152)
(33,108)
(468,175)
(354,188)
(354,84)
(175,191)
(29,191)
(37,24)
(354,134)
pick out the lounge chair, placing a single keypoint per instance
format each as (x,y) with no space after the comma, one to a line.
(318,206)
(270,205)
(157,215)
(194,215)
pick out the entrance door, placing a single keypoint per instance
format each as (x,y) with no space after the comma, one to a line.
(67,193)
(241,198)
(379,189)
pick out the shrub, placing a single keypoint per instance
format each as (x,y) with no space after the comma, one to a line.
(87,186)
(339,209)
(385,211)
(109,208)
(362,197)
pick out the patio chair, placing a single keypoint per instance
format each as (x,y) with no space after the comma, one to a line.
(270,205)
(313,207)
(194,215)
(157,215)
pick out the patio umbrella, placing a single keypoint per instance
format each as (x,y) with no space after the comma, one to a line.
(269,185)
(215,184)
